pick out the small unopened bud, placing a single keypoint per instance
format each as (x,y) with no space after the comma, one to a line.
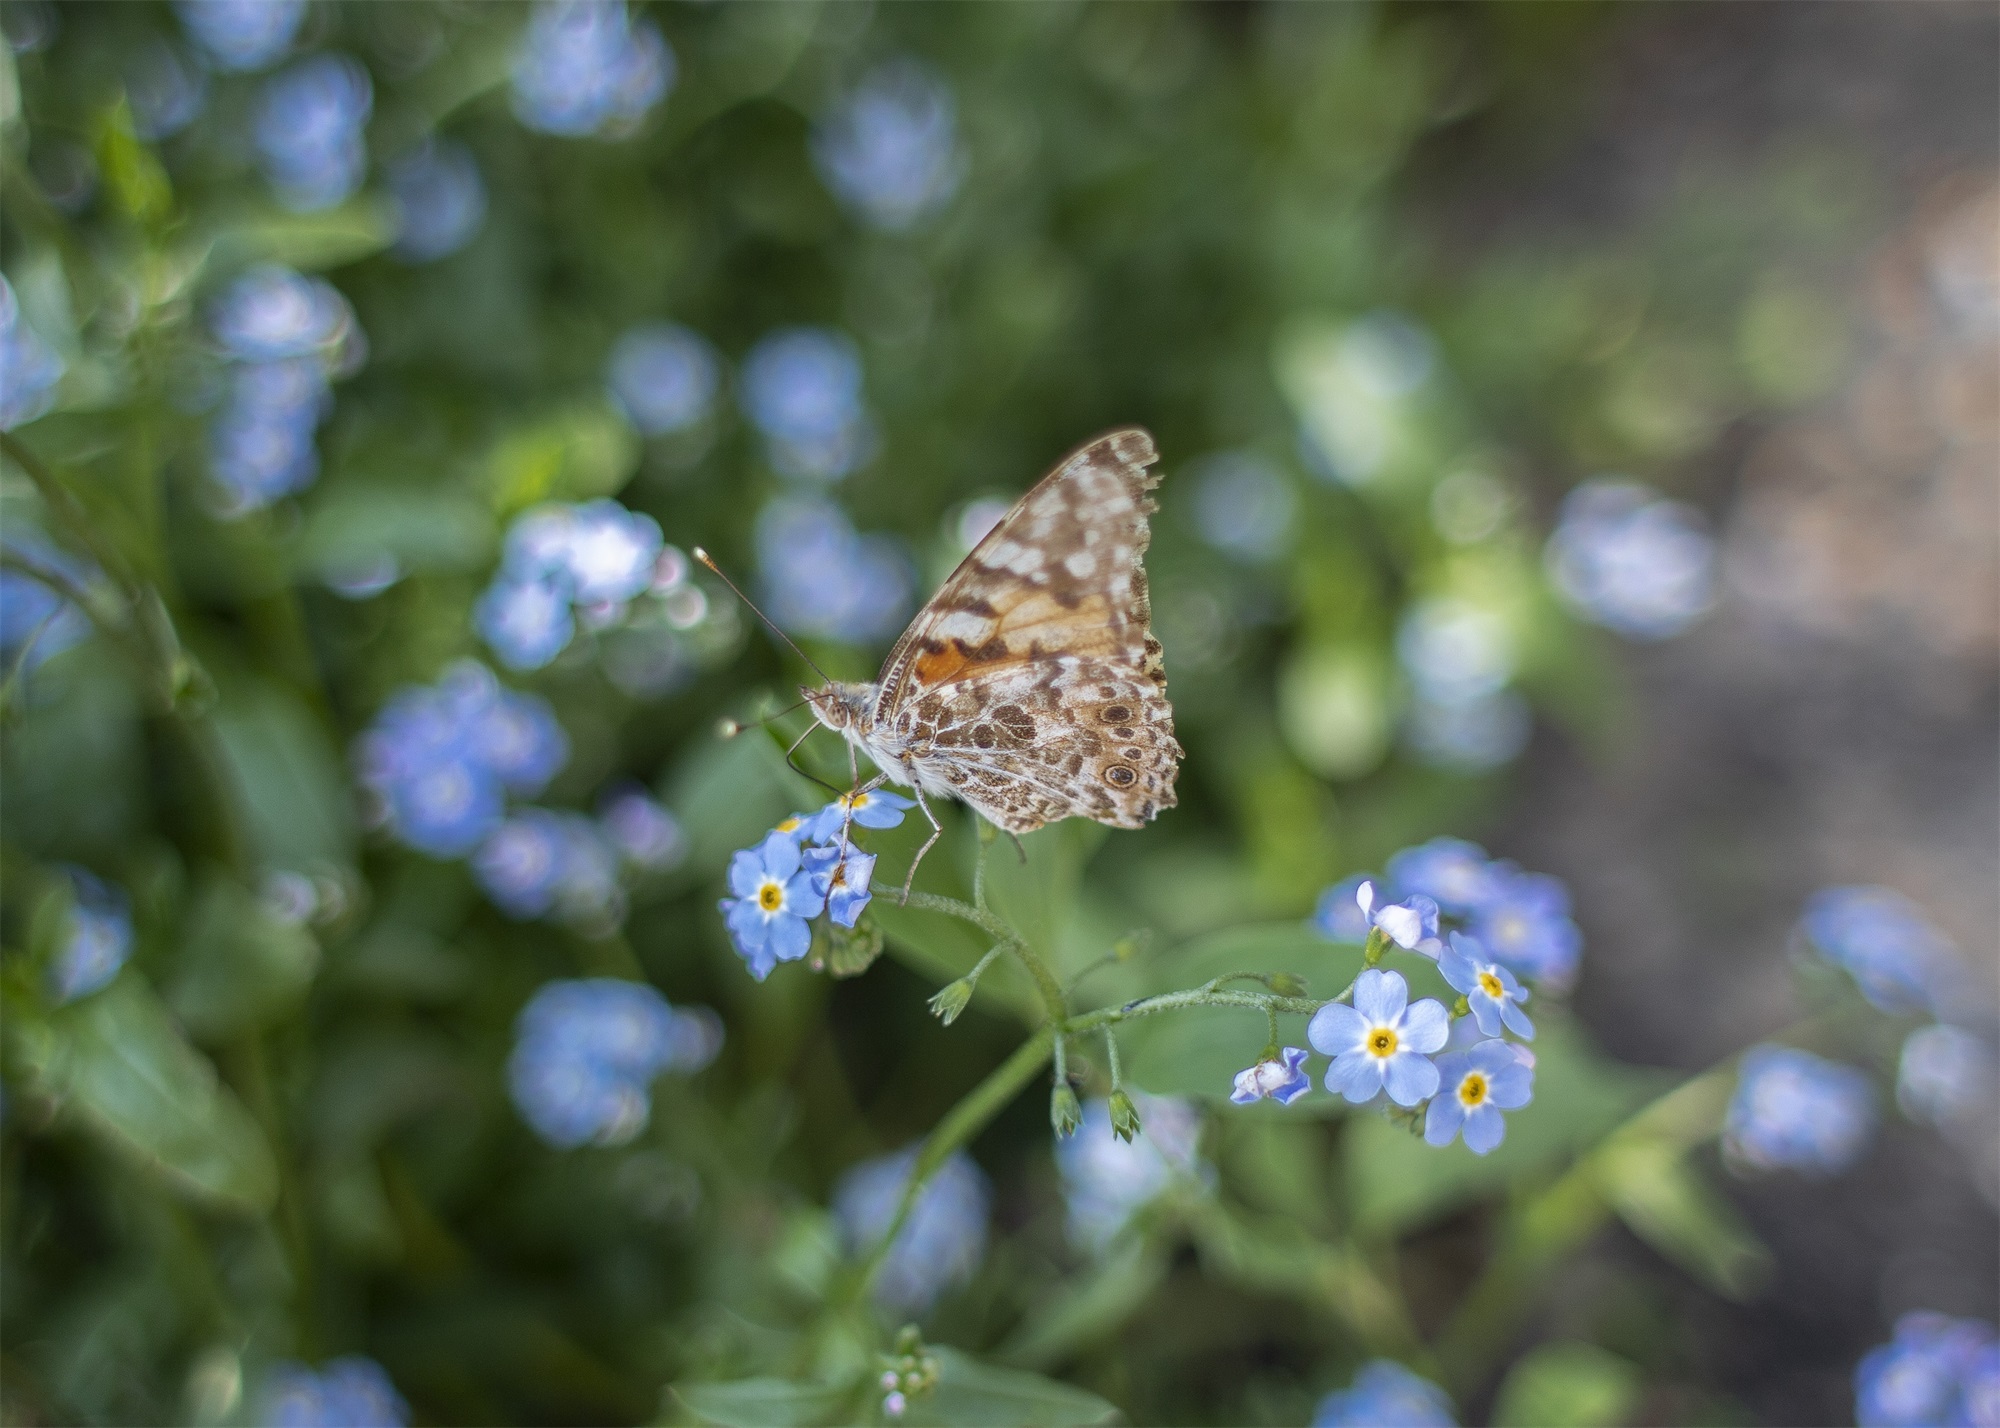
(1462,1007)
(1064,1112)
(955,998)
(1132,944)
(1377,947)
(1287,984)
(895,1405)
(1124,1116)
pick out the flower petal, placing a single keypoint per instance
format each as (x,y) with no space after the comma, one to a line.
(1246,1087)
(1426,1026)
(1485,1128)
(1517,1021)
(1381,996)
(1442,1120)
(802,897)
(1335,1028)
(1409,1078)
(1487,1013)
(1512,1088)
(1364,897)
(1458,968)
(746,870)
(790,937)
(1355,1075)
(779,853)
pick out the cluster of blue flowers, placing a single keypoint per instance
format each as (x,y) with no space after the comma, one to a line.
(1625,558)
(241,34)
(802,391)
(586,1053)
(35,621)
(1386,1395)
(310,129)
(29,367)
(1796,1111)
(941,1243)
(1937,1372)
(583,68)
(889,148)
(1106,1180)
(811,863)
(287,338)
(565,564)
(97,940)
(823,577)
(348,1392)
(439,200)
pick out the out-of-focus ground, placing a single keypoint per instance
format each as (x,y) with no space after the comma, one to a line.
(1834,721)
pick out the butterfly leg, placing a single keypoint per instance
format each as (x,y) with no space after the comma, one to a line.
(793,763)
(937,832)
(1017,845)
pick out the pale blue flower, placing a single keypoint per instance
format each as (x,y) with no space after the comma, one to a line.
(241,34)
(1456,874)
(642,829)
(1283,1080)
(439,200)
(35,622)
(586,1051)
(99,940)
(1474,1087)
(349,1392)
(1489,988)
(821,577)
(870,808)
(1386,1395)
(1895,954)
(1411,924)
(1937,1372)
(1793,1110)
(584,68)
(1625,558)
(1472,735)
(1338,915)
(270,312)
(1382,1042)
(1524,922)
(774,898)
(1243,505)
(889,149)
(801,388)
(1947,1076)
(664,377)
(165,91)
(841,876)
(29,367)
(526,622)
(940,1244)
(309,128)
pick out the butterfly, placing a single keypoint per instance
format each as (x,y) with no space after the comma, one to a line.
(1031,686)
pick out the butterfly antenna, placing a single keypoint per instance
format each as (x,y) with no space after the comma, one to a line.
(703,556)
(732,727)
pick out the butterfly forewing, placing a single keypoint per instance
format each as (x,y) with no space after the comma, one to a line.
(1031,683)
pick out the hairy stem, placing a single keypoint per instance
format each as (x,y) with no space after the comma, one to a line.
(1045,981)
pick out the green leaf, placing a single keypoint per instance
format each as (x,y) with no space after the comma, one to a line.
(1666,1202)
(238,966)
(423,529)
(1037,896)
(847,951)
(1570,1385)
(290,783)
(119,1064)
(971,1394)
(331,238)
(572,455)
(1082,1312)
(760,1402)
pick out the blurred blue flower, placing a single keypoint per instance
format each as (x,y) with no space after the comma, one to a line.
(1946,1076)
(309,128)
(1471,736)
(1382,1042)
(439,199)
(29,367)
(1473,1088)
(643,831)
(821,577)
(1489,988)
(583,67)
(1900,961)
(1243,505)
(1456,874)
(526,622)
(773,899)
(1107,1180)
(1386,1395)
(515,736)
(99,939)
(874,808)
(1937,1372)
(1283,1080)
(35,622)
(941,1242)
(664,377)
(536,860)
(165,91)
(611,551)
(889,149)
(261,444)
(1411,924)
(271,312)
(1793,1110)
(1628,560)
(1338,916)
(841,877)
(1454,651)
(586,1051)
(1524,922)
(801,388)
(241,34)
(349,1392)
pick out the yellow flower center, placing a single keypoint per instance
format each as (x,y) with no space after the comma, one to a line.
(856,800)
(1381,1042)
(1472,1090)
(1491,985)
(770,896)
(787,825)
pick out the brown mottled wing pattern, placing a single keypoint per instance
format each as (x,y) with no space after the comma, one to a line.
(1031,684)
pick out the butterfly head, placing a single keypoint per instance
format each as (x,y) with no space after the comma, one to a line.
(840,706)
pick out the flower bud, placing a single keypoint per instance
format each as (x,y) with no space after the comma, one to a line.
(947,1004)
(1124,1116)
(1287,984)
(1378,946)
(1064,1112)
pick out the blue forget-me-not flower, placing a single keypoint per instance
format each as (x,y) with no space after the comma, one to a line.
(664,377)
(645,833)
(1282,1079)
(821,577)
(1797,1111)
(584,68)
(538,862)
(1475,1086)
(586,1052)
(774,900)
(870,808)
(841,876)
(1455,874)
(29,367)
(1338,914)
(1946,1076)
(801,389)
(1525,923)
(1490,989)
(241,34)
(1381,1043)
(1107,1180)
(1386,1395)
(347,1392)
(941,1243)
(98,940)
(1900,961)
(1936,1372)
(559,561)
(889,149)
(310,127)
(1625,558)
(1411,924)
(439,200)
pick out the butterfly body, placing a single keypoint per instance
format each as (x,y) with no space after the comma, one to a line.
(1031,685)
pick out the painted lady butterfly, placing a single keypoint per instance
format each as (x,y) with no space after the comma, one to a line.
(1031,685)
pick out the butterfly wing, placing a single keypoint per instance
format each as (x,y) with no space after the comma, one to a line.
(1031,684)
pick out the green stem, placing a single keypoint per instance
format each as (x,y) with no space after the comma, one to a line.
(1111,1054)
(1045,981)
